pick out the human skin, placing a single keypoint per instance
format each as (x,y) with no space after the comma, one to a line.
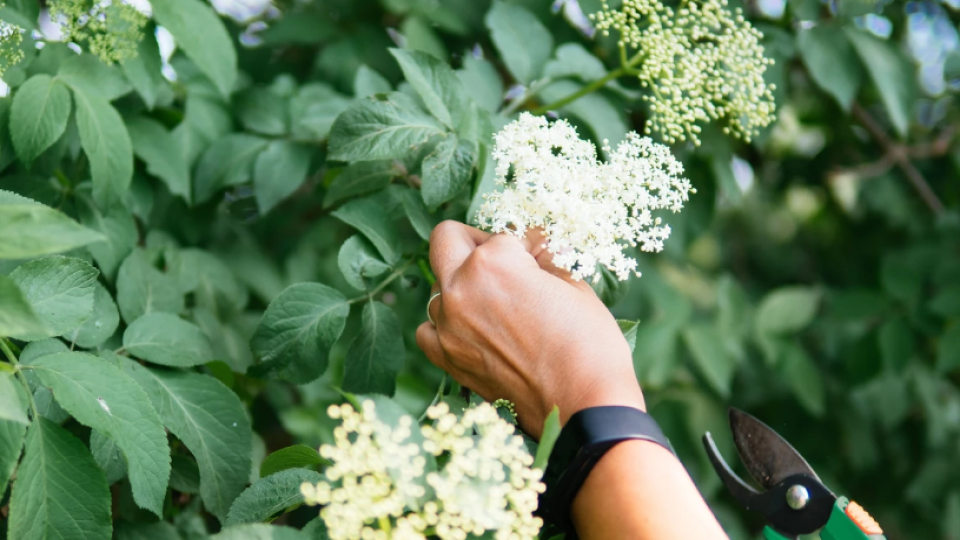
(511,325)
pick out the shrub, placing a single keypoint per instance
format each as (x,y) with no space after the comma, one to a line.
(203,249)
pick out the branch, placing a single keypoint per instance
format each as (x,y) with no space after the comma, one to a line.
(900,154)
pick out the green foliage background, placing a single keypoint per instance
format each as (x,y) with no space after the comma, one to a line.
(255,235)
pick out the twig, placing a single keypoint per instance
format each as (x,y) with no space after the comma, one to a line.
(900,155)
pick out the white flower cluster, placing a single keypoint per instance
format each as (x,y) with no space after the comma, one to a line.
(589,210)
(701,63)
(377,485)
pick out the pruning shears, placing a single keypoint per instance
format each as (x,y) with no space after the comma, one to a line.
(795,501)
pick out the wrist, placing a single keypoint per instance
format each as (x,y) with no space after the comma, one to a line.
(614,391)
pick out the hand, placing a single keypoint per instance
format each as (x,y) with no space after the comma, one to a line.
(511,325)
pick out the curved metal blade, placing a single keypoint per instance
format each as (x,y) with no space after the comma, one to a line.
(769,458)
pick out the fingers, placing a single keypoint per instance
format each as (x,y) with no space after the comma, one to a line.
(450,244)
(429,343)
(434,305)
(535,243)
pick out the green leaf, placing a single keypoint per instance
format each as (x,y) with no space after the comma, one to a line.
(447,169)
(360,178)
(271,495)
(900,277)
(551,432)
(831,61)
(418,34)
(896,344)
(368,217)
(629,329)
(60,291)
(298,456)
(164,338)
(523,42)
(23,13)
(108,456)
(416,211)
(11,408)
(30,230)
(279,171)
(573,60)
(16,314)
(259,531)
(947,302)
(892,74)
(263,111)
(481,82)
(106,142)
(358,261)
(368,82)
(948,350)
(314,109)
(384,126)
(11,441)
(297,330)
(787,310)
(118,228)
(143,71)
(199,32)
(85,73)
(377,353)
(59,492)
(713,363)
(185,475)
(38,116)
(213,283)
(141,288)
(160,530)
(437,85)
(606,122)
(228,162)
(102,397)
(210,420)
(804,379)
(163,155)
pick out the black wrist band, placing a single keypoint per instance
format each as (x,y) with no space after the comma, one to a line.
(586,437)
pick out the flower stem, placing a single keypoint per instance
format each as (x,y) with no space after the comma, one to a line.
(436,399)
(7,349)
(625,69)
(383,284)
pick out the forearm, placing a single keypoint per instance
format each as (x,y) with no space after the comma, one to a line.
(639,490)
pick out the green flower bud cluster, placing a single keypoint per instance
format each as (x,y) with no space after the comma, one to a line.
(11,37)
(701,62)
(507,405)
(112,30)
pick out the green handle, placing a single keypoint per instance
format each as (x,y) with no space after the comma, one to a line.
(840,526)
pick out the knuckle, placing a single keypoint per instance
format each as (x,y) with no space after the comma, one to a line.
(443,229)
(453,298)
(484,258)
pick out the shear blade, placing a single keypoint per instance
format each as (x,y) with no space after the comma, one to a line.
(764,453)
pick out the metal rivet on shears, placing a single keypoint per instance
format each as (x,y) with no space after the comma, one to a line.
(797,497)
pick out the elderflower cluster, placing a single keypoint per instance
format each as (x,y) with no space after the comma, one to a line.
(701,62)
(112,29)
(589,210)
(11,36)
(381,487)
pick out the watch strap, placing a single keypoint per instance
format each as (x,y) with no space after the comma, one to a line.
(583,441)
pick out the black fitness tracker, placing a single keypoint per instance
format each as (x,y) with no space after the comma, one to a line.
(586,437)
